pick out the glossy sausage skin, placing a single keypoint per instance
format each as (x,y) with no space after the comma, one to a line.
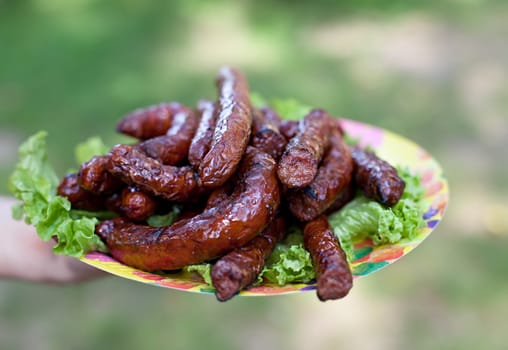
(152,121)
(211,234)
(345,196)
(232,130)
(80,198)
(377,178)
(240,268)
(94,176)
(334,278)
(173,147)
(265,133)
(334,174)
(299,163)
(136,205)
(148,174)
(201,142)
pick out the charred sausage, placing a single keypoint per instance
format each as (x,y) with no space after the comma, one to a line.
(299,163)
(212,233)
(94,176)
(240,268)
(136,205)
(289,128)
(265,133)
(376,177)
(334,278)
(173,147)
(334,174)
(136,168)
(151,121)
(201,142)
(80,198)
(232,130)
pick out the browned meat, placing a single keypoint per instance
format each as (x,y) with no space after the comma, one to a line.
(173,147)
(136,205)
(202,139)
(334,278)
(377,178)
(265,133)
(334,174)
(211,234)
(79,197)
(240,268)
(151,121)
(232,130)
(299,163)
(289,128)
(148,174)
(94,176)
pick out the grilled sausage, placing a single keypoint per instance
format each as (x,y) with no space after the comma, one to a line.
(80,198)
(265,133)
(136,205)
(232,130)
(136,168)
(201,142)
(94,176)
(345,196)
(240,268)
(299,163)
(151,121)
(333,175)
(212,233)
(376,177)
(334,278)
(173,147)
(289,128)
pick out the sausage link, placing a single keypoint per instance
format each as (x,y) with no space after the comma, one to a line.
(240,268)
(148,174)
(136,205)
(345,196)
(333,175)
(94,176)
(152,121)
(201,142)
(80,198)
(232,130)
(173,147)
(299,163)
(265,133)
(212,233)
(289,128)
(334,278)
(376,177)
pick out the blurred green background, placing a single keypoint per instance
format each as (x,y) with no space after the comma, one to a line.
(434,71)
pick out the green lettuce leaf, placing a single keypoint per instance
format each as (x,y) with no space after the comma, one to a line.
(363,218)
(203,270)
(94,146)
(289,262)
(34,183)
(290,108)
(165,219)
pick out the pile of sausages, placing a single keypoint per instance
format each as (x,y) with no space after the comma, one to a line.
(240,174)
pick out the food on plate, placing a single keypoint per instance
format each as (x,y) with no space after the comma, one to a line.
(334,278)
(377,178)
(172,147)
(242,266)
(211,234)
(200,144)
(299,162)
(232,129)
(233,190)
(152,121)
(333,176)
(265,132)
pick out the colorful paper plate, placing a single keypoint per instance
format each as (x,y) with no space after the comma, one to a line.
(368,258)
